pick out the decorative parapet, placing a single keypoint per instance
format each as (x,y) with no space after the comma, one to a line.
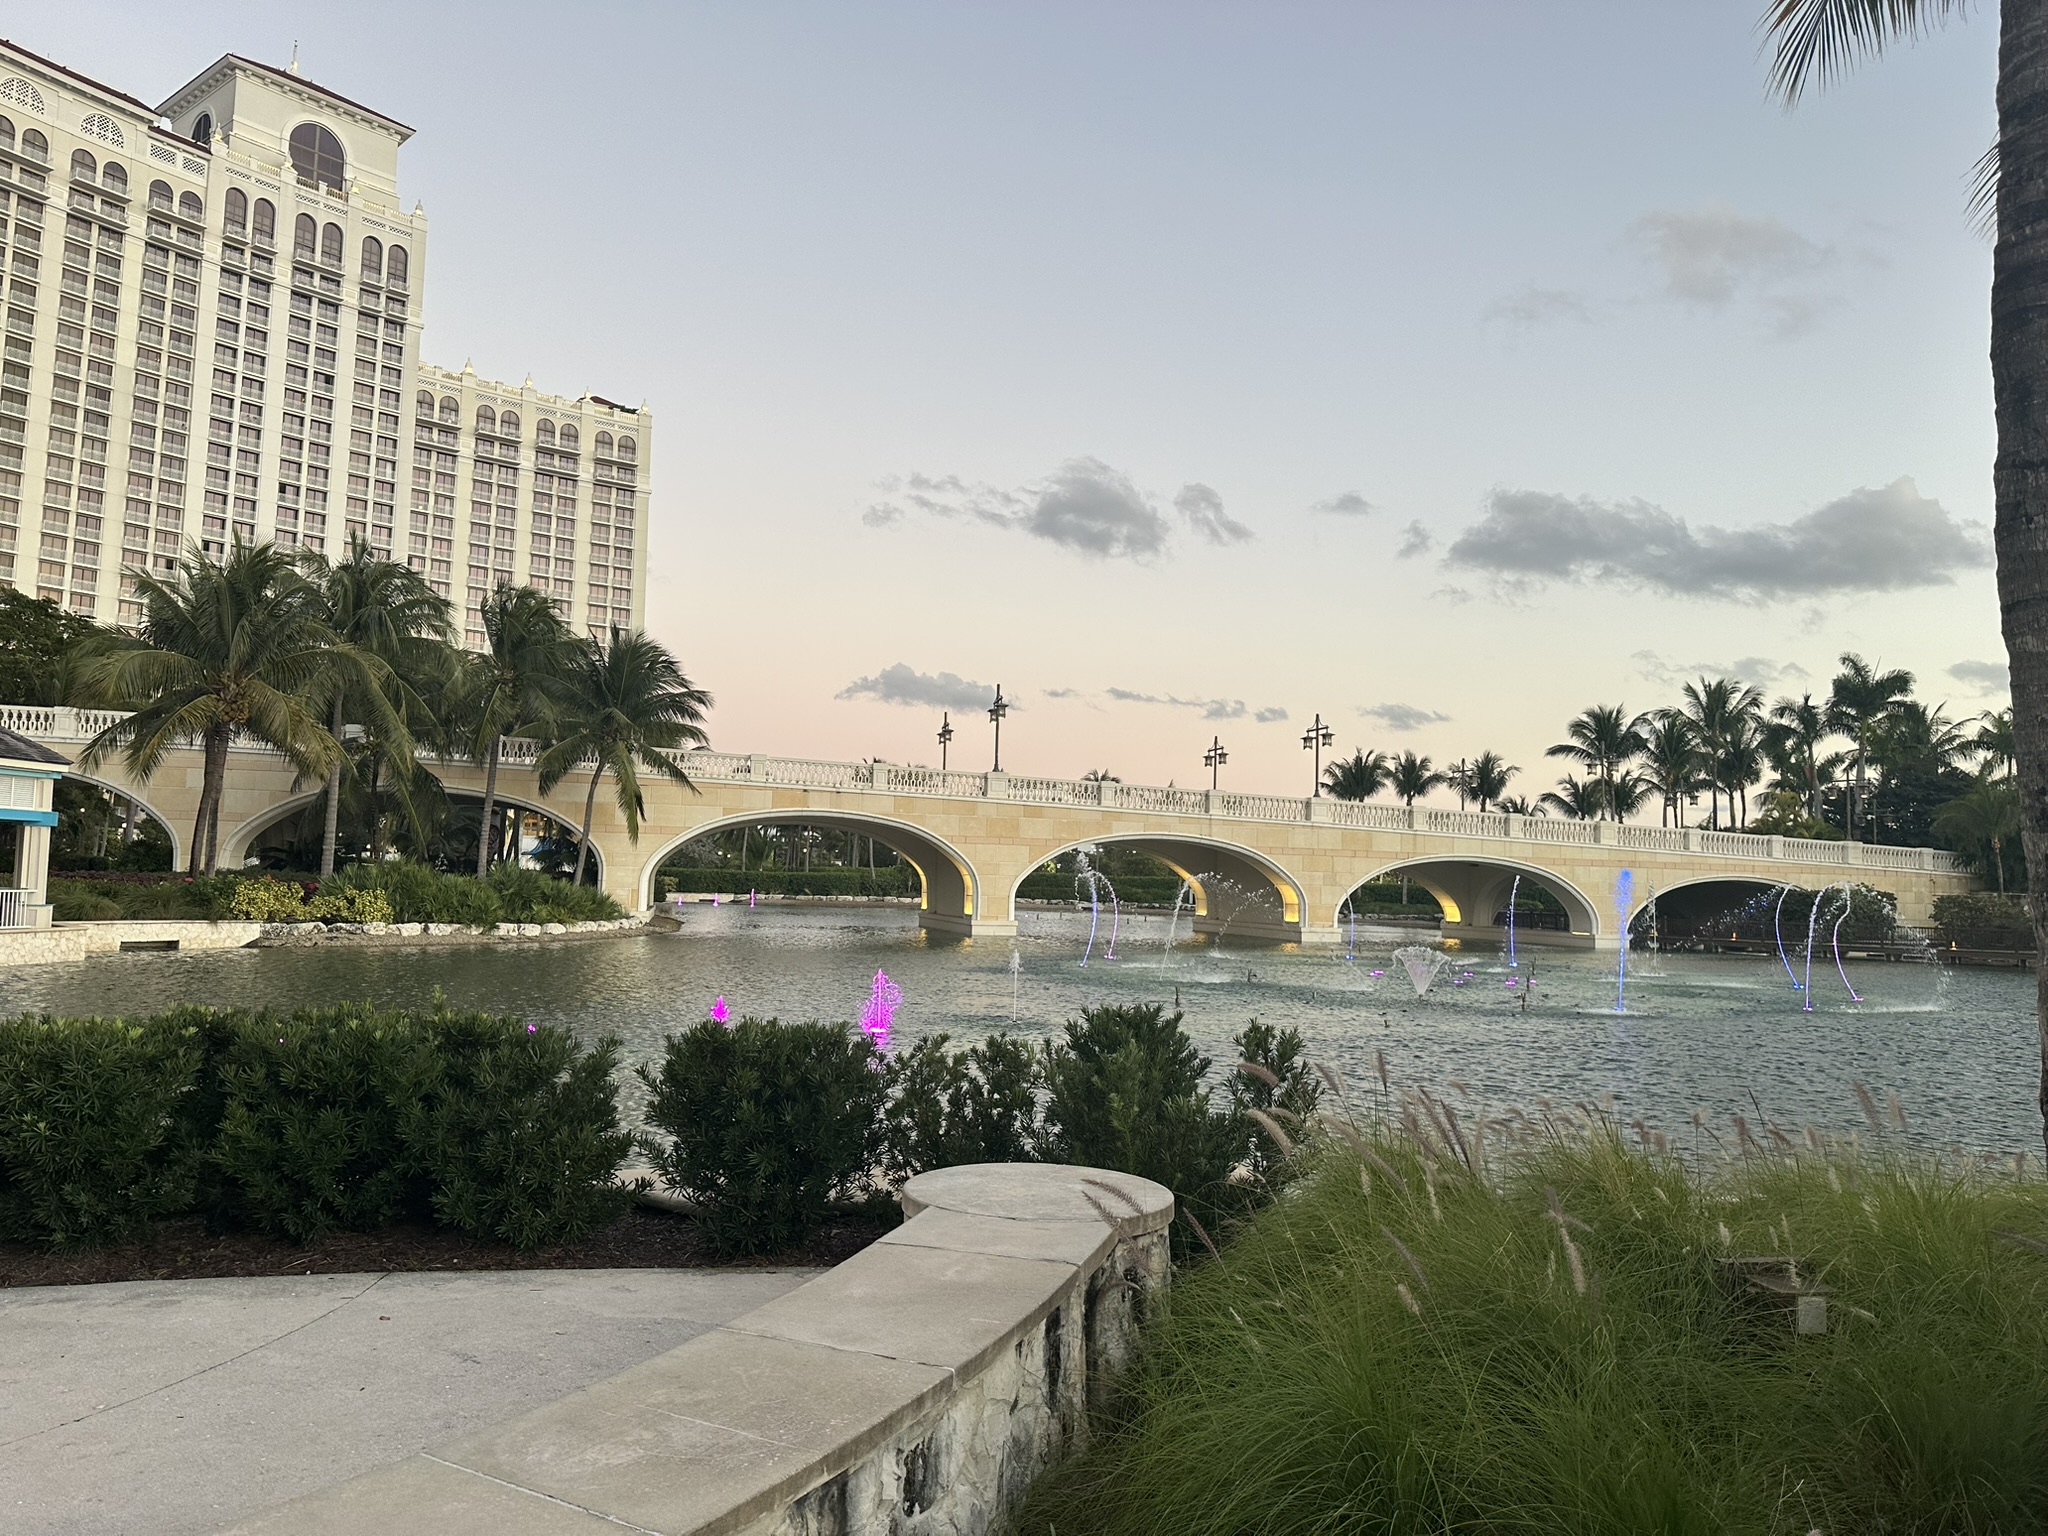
(919,1387)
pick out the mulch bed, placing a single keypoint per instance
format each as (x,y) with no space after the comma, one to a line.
(184,1250)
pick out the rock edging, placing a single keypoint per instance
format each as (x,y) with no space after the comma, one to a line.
(275,935)
(920,1386)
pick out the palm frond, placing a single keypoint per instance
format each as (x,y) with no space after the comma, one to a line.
(1818,41)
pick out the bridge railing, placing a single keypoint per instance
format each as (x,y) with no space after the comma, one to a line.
(58,724)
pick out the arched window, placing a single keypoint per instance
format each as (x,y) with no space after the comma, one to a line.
(423,402)
(330,245)
(190,206)
(83,166)
(236,219)
(6,133)
(114,177)
(508,424)
(395,264)
(373,259)
(35,147)
(264,221)
(570,436)
(450,411)
(544,433)
(628,449)
(486,419)
(604,445)
(160,194)
(317,156)
(202,128)
(305,235)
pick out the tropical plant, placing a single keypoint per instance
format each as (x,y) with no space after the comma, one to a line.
(382,609)
(1723,712)
(1601,739)
(628,707)
(1858,702)
(37,641)
(1913,738)
(1581,799)
(1672,763)
(520,682)
(1458,780)
(1100,776)
(1489,774)
(1412,777)
(1994,739)
(1521,805)
(1980,822)
(1793,741)
(235,646)
(1357,777)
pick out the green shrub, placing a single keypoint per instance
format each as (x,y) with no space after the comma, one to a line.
(1125,1092)
(310,1139)
(266,900)
(83,901)
(1131,890)
(949,1107)
(419,894)
(528,896)
(1984,920)
(1274,1077)
(516,1128)
(768,1124)
(94,1143)
(888,880)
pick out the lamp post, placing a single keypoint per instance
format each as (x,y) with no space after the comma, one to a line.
(945,737)
(996,711)
(1314,739)
(1214,759)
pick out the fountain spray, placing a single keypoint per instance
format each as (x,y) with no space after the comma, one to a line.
(1624,892)
(1778,933)
(1835,937)
(1514,892)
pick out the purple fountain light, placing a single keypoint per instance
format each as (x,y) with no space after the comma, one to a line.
(879,1012)
(720,1014)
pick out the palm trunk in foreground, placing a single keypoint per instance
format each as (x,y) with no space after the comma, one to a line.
(206,835)
(483,831)
(589,810)
(330,834)
(2019,386)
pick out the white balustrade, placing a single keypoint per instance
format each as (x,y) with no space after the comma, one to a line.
(14,907)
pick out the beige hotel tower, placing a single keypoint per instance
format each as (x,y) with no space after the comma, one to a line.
(212,313)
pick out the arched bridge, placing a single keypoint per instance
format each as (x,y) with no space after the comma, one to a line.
(1270,866)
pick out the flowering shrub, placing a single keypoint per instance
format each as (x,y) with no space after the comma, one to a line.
(280,901)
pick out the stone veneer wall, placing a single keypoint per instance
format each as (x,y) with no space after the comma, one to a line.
(915,1390)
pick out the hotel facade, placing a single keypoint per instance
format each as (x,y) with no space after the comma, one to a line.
(212,325)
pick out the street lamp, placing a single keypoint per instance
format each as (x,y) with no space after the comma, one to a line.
(945,737)
(1315,738)
(1214,758)
(996,711)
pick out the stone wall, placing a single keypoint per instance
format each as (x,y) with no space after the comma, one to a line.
(915,1390)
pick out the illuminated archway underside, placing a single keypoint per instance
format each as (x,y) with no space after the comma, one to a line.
(1472,891)
(1269,900)
(236,845)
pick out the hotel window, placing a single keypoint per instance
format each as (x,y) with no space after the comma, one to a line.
(627,449)
(317,156)
(190,206)
(305,235)
(236,218)
(330,245)
(373,259)
(83,166)
(114,178)
(263,222)
(395,264)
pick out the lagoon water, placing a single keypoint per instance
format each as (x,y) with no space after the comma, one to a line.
(1727,1034)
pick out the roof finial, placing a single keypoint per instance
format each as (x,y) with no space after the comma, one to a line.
(293,67)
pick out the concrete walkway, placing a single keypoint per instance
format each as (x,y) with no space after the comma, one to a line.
(174,1407)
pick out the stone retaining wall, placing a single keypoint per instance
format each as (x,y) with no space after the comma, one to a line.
(78,941)
(915,1390)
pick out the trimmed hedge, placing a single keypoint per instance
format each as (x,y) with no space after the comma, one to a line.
(893,880)
(302,1123)
(1131,890)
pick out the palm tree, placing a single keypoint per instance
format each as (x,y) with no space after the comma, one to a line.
(518,683)
(1458,779)
(1994,739)
(1741,761)
(1100,776)
(1815,40)
(227,647)
(1490,775)
(1915,739)
(1601,738)
(1580,799)
(629,706)
(1858,702)
(1521,805)
(1985,817)
(1672,760)
(1721,710)
(1359,776)
(1412,777)
(1793,739)
(386,610)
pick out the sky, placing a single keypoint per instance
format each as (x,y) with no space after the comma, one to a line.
(1197,370)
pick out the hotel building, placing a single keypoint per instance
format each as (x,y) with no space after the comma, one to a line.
(212,325)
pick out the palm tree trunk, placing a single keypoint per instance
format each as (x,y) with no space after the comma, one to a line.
(589,810)
(2019,372)
(330,833)
(206,835)
(483,830)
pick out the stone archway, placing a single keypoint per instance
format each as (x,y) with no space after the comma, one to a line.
(1236,890)
(1472,891)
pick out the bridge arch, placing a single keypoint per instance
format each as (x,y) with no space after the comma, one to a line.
(236,845)
(1472,890)
(951,887)
(179,846)
(1209,865)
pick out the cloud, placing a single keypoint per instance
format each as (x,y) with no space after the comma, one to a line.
(1203,511)
(902,684)
(1061,693)
(1983,676)
(1890,539)
(1764,671)
(1212,709)
(1530,307)
(1415,540)
(1269,714)
(1712,257)
(1345,504)
(1401,717)
(1084,506)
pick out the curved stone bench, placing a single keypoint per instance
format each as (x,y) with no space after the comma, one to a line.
(918,1387)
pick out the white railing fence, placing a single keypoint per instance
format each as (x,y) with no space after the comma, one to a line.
(58,725)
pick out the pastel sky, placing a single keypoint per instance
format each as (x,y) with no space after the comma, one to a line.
(1192,369)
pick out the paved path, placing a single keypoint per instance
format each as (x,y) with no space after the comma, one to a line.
(170,1408)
